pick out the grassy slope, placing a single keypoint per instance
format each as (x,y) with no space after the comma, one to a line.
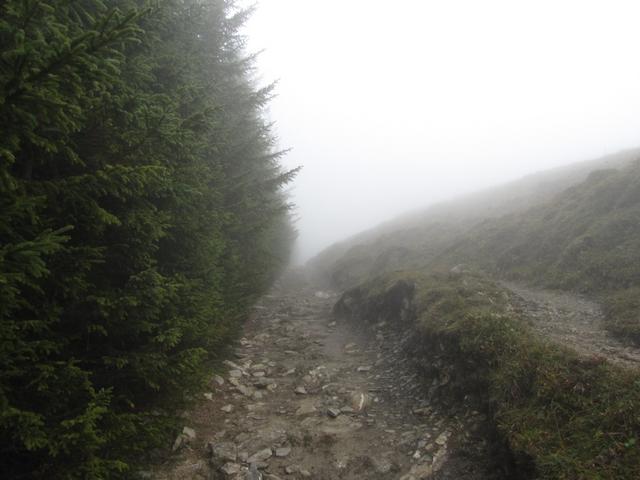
(584,238)
(417,238)
(574,418)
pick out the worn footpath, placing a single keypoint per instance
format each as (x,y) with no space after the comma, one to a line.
(572,321)
(309,396)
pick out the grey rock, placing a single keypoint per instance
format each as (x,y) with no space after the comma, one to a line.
(333,412)
(260,456)
(230,469)
(178,443)
(253,473)
(381,465)
(306,408)
(224,451)
(283,452)
(262,383)
(442,438)
(421,471)
(246,391)
(257,395)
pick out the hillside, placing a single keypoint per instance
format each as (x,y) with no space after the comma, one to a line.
(417,238)
(509,298)
(583,238)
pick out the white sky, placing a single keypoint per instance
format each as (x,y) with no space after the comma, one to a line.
(392,105)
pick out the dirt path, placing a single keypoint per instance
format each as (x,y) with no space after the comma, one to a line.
(306,397)
(573,321)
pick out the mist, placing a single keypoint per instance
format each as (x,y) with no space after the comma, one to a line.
(391,107)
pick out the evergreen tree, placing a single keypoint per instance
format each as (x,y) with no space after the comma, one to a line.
(141,213)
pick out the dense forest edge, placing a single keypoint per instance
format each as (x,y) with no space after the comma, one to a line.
(141,213)
(439,274)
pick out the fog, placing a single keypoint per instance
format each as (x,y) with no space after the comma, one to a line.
(390,106)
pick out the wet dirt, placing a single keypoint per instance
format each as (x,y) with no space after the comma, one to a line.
(307,396)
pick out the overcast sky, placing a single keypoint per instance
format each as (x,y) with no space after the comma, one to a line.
(392,105)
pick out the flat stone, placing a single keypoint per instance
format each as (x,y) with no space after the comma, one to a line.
(271,476)
(382,465)
(442,438)
(179,441)
(300,391)
(421,471)
(283,452)
(364,368)
(230,469)
(257,395)
(225,451)
(208,395)
(359,401)
(262,383)
(235,374)
(246,391)
(333,412)
(227,408)
(189,432)
(306,408)
(260,456)
(232,365)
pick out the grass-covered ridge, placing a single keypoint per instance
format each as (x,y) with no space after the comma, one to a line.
(583,238)
(420,237)
(575,418)
(586,239)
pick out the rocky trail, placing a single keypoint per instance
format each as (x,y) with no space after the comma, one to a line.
(307,396)
(573,321)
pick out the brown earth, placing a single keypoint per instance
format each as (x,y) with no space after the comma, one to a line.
(307,396)
(571,320)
